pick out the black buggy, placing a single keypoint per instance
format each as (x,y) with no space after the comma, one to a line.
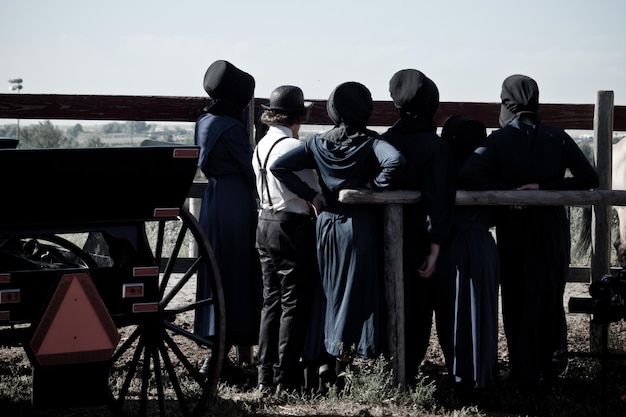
(99,263)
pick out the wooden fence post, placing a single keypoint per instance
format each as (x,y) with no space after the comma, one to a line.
(394,288)
(601,225)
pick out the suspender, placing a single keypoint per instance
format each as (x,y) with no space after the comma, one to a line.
(263,170)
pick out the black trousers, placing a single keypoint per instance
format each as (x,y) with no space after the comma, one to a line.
(287,251)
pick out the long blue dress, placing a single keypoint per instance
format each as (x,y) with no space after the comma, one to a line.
(348,236)
(228,216)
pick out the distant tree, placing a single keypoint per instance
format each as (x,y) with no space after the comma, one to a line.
(137,127)
(75,130)
(113,127)
(95,142)
(44,135)
(8,131)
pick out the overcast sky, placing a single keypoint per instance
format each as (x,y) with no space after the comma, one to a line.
(572,48)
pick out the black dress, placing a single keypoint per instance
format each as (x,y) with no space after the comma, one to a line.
(533,242)
(427,169)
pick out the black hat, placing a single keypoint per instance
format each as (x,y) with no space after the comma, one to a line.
(350,103)
(224,81)
(413,92)
(287,99)
(520,95)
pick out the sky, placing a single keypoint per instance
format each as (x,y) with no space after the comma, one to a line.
(572,48)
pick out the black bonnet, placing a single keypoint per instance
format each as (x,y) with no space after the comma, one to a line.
(350,103)
(464,135)
(520,96)
(413,92)
(224,81)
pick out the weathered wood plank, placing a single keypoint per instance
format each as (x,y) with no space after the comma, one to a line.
(492,198)
(187,109)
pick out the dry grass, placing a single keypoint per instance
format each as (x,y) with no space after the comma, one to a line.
(373,392)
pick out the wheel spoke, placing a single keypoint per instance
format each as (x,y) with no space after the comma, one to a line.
(145,380)
(171,372)
(202,341)
(184,360)
(131,369)
(181,283)
(158,378)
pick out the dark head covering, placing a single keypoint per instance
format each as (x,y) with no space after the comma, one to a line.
(226,83)
(414,93)
(520,97)
(287,99)
(350,103)
(463,135)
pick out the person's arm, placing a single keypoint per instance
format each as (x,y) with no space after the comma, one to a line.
(390,161)
(285,167)
(480,171)
(438,192)
(584,175)
(430,264)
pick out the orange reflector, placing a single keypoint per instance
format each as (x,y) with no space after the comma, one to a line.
(166,212)
(145,307)
(186,153)
(146,271)
(76,327)
(10,296)
(5,278)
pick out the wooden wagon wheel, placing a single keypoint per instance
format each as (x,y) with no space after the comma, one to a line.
(157,368)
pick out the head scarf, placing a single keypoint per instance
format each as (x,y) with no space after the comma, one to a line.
(350,104)
(414,93)
(520,97)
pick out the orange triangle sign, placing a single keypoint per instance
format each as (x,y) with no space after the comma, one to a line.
(76,327)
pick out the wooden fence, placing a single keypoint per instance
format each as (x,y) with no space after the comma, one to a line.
(603,118)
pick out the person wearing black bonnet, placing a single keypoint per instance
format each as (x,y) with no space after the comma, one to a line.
(229,214)
(467,310)
(533,241)
(348,236)
(426,225)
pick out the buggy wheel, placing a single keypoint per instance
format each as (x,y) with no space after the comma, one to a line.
(157,368)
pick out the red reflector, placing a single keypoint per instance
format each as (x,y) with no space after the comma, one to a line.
(9,296)
(132,290)
(145,307)
(5,278)
(146,271)
(166,212)
(186,153)
(5,315)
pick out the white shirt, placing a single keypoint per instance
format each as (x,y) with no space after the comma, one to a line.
(282,198)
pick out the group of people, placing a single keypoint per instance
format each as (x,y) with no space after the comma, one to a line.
(302,272)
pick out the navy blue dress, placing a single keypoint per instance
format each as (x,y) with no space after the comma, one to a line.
(348,236)
(228,216)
